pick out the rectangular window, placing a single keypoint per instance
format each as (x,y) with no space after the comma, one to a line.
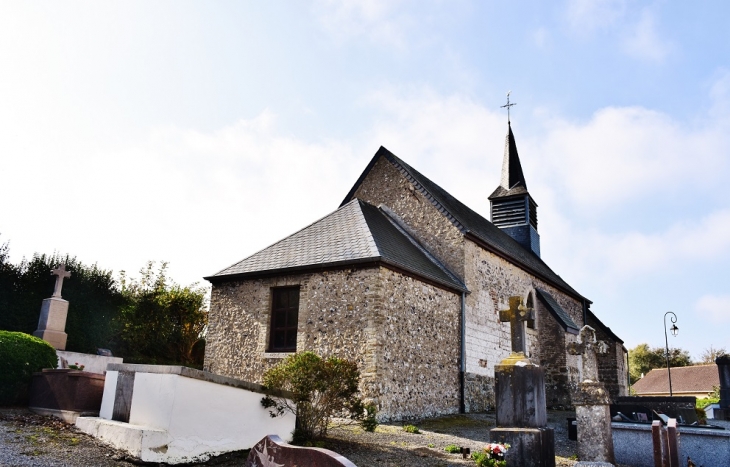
(284,318)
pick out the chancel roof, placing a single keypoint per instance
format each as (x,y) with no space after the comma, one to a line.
(355,233)
(685,379)
(470,222)
(557,311)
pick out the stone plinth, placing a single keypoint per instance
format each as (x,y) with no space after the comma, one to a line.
(52,322)
(66,393)
(593,416)
(529,447)
(520,393)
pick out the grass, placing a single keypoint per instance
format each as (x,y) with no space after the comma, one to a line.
(411,429)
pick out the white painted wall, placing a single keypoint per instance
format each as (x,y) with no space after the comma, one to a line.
(177,419)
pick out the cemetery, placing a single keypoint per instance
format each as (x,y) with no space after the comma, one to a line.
(154,413)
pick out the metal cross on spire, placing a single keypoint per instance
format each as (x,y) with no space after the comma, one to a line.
(508,105)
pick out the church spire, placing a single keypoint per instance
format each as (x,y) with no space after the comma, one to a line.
(512,175)
(513,209)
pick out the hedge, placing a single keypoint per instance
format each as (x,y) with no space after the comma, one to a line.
(20,356)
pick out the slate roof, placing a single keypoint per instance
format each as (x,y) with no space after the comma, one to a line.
(355,233)
(685,379)
(469,222)
(557,311)
(513,180)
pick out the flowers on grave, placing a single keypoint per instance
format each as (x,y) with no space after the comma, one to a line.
(491,456)
(76,366)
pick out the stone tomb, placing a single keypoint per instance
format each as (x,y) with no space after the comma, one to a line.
(52,322)
(520,399)
(591,400)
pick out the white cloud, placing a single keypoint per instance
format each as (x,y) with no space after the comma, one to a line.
(378,20)
(200,200)
(623,153)
(541,38)
(589,16)
(642,40)
(716,308)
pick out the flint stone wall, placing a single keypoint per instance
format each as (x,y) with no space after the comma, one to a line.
(403,334)
(493,280)
(385,184)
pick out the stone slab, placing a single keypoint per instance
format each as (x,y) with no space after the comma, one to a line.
(145,443)
(529,447)
(272,450)
(595,440)
(520,394)
(195,374)
(92,363)
(68,416)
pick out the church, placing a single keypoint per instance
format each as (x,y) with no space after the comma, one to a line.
(408,282)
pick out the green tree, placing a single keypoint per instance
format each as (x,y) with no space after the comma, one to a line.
(93,294)
(709,355)
(643,359)
(320,389)
(162,322)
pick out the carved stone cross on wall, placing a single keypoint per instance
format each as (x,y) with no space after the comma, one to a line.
(588,347)
(61,274)
(516,315)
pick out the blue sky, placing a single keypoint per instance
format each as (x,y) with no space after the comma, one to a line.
(200,132)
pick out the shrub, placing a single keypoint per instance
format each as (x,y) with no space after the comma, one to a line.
(411,429)
(452,448)
(320,389)
(20,356)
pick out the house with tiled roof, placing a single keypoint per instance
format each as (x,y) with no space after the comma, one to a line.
(696,380)
(408,282)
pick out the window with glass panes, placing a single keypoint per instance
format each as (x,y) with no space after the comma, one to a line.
(284,318)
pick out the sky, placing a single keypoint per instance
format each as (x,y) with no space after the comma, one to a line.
(198,133)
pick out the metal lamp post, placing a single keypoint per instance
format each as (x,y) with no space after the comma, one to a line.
(674,330)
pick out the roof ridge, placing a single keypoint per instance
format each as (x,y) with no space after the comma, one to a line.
(393,219)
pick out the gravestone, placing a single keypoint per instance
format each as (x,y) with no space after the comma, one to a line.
(723,368)
(52,322)
(272,451)
(592,402)
(520,398)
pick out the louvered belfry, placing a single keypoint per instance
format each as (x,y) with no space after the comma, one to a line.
(513,209)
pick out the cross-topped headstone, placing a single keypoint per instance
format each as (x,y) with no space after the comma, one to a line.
(588,347)
(61,274)
(516,315)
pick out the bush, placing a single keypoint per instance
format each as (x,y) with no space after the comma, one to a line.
(20,356)
(453,449)
(320,389)
(411,429)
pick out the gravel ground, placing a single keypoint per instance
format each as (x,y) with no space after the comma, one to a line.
(27,439)
(391,446)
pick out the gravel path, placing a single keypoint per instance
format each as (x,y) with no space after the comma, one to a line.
(391,446)
(27,439)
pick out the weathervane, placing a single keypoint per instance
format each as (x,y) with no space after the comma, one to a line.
(508,105)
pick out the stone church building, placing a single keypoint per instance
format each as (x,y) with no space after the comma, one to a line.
(408,282)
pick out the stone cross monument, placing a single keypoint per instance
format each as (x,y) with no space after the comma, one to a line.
(591,400)
(520,398)
(52,322)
